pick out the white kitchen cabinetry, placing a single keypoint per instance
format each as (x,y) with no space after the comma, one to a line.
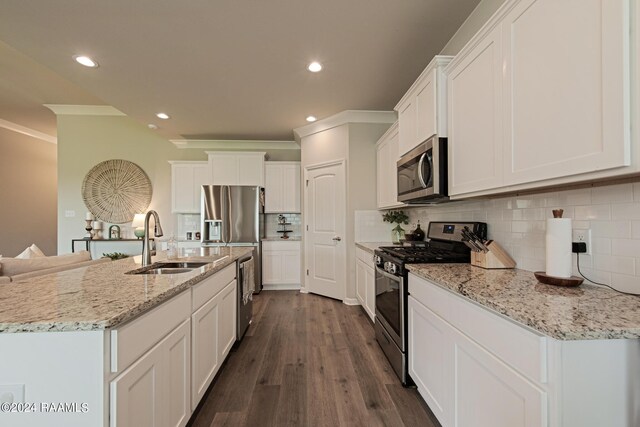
(476,368)
(365,282)
(281,264)
(213,329)
(422,110)
(282,187)
(236,168)
(386,172)
(155,390)
(529,108)
(187,178)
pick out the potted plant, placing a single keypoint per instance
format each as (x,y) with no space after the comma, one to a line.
(398,218)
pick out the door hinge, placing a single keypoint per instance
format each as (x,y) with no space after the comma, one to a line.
(307,184)
(307,227)
(307,271)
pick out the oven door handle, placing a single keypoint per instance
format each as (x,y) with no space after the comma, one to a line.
(389,276)
(420,168)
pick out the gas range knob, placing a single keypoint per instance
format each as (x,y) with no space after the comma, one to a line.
(393,269)
(377,260)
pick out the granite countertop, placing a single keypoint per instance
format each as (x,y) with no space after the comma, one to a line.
(581,313)
(278,239)
(100,296)
(372,246)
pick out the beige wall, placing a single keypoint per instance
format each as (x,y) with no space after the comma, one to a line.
(28,193)
(477,18)
(84,141)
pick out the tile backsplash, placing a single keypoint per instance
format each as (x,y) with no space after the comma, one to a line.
(369,227)
(518,223)
(272,227)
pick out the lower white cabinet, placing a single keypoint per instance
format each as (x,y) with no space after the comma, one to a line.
(281,264)
(365,282)
(155,390)
(213,333)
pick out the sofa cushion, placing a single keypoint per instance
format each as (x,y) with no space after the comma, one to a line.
(5,279)
(57,269)
(13,266)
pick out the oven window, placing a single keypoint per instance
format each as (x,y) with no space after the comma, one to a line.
(388,301)
(408,177)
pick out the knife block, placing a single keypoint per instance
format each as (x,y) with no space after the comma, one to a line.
(496,258)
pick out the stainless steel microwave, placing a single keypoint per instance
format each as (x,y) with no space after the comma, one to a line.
(422,173)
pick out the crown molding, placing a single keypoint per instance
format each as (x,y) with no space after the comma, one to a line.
(84,110)
(235,145)
(344,117)
(28,131)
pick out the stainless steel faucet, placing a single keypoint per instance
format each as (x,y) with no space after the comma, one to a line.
(146,249)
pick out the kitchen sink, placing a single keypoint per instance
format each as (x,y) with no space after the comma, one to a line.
(165,270)
(180,264)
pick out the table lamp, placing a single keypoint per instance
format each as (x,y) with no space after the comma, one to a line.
(138,225)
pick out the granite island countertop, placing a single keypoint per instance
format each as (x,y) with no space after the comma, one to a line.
(585,312)
(100,296)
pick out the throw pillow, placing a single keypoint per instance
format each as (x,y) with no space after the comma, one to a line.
(36,250)
(26,254)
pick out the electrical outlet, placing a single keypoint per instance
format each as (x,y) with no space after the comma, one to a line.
(11,393)
(583,236)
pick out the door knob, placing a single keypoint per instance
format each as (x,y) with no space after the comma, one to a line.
(337,238)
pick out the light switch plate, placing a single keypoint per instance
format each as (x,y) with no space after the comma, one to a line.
(69,214)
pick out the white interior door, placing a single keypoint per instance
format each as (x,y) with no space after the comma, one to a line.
(325,247)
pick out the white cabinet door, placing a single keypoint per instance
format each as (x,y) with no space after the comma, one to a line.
(386,173)
(566,89)
(273,188)
(291,267)
(227,324)
(490,393)
(271,267)
(224,169)
(205,354)
(282,187)
(426,120)
(291,188)
(475,118)
(407,126)
(177,366)
(281,263)
(251,169)
(370,291)
(187,179)
(430,359)
(155,390)
(136,394)
(361,282)
(213,334)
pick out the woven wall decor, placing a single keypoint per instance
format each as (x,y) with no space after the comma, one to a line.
(115,190)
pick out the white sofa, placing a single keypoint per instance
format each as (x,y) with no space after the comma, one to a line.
(13,269)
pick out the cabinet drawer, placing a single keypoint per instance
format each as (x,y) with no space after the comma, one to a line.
(515,344)
(130,341)
(281,245)
(209,287)
(365,256)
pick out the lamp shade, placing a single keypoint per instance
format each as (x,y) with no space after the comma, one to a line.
(138,221)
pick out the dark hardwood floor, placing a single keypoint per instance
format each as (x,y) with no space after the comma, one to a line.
(309,361)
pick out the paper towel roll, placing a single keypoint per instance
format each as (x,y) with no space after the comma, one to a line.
(559,247)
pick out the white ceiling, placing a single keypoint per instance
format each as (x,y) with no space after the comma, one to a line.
(224,69)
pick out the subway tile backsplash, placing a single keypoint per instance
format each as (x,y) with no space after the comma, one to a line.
(272,227)
(518,223)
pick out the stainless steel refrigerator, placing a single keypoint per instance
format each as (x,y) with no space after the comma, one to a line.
(233,215)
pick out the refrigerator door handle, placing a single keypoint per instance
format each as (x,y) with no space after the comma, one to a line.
(225,196)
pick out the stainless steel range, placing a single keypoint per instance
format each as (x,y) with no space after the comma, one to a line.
(445,245)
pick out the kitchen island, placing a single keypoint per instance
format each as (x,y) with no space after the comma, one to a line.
(96,346)
(497,348)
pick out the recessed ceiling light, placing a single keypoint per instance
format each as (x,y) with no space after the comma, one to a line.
(152,126)
(314,67)
(311,119)
(86,61)
(163,116)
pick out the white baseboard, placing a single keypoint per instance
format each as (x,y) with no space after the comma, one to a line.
(303,290)
(350,301)
(272,287)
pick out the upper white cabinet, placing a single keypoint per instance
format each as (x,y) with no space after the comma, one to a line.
(386,172)
(529,108)
(186,180)
(282,187)
(422,110)
(236,168)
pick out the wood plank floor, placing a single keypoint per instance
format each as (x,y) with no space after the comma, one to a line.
(309,361)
